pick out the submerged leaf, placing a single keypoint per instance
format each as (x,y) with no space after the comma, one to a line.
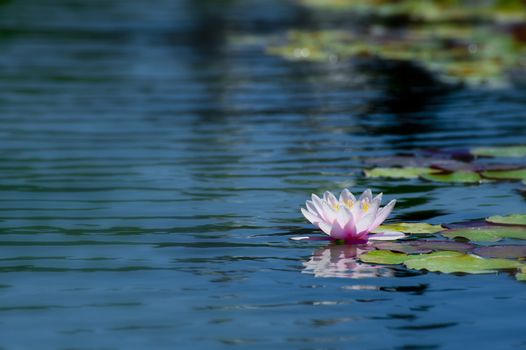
(489,233)
(502,151)
(514,219)
(410,227)
(502,251)
(398,173)
(517,174)
(457,176)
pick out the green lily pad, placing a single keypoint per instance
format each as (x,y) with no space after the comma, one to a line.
(410,227)
(449,262)
(398,173)
(384,257)
(457,177)
(487,233)
(518,174)
(514,219)
(504,151)
(444,261)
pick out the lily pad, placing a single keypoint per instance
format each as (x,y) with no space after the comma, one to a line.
(449,262)
(384,257)
(517,174)
(503,151)
(502,251)
(419,247)
(410,227)
(398,173)
(444,261)
(514,219)
(490,233)
(456,176)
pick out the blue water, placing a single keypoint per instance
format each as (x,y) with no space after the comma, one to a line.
(153,165)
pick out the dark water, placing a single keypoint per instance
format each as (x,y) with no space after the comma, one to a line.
(152,169)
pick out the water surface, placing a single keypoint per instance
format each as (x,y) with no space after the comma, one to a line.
(152,170)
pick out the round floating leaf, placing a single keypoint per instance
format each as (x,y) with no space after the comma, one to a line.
(410,227)
(487,234)
(514,219)
(384,257)
(419,247)
(505,151)
(517,174)
(456,176)
(449,262)
(502,251)
(398,173)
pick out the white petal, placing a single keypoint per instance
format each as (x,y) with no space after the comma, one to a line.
(328,213)
(315,220)
(325,227)
(312,208)
(299,238)
(346,196)
(330,198)
(378,197)
(366,194)
(364,223)
(343,216)
(318,204)
(386,236)
(382,215)
(337,231)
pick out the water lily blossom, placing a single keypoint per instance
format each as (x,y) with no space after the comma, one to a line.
(349,219)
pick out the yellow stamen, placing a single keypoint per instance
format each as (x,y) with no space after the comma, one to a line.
(365,206)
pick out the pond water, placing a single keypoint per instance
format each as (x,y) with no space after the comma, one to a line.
(152,171)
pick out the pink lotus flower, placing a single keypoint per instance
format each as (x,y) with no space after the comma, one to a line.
(348,219)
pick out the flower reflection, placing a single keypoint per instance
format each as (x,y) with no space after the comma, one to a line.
(349,219)
(340,260)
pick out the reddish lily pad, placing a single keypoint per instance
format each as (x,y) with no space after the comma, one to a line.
(418,247)
(490,233)
(514,219)
(502,251)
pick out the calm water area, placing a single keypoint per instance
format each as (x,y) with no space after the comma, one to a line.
(153,160)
